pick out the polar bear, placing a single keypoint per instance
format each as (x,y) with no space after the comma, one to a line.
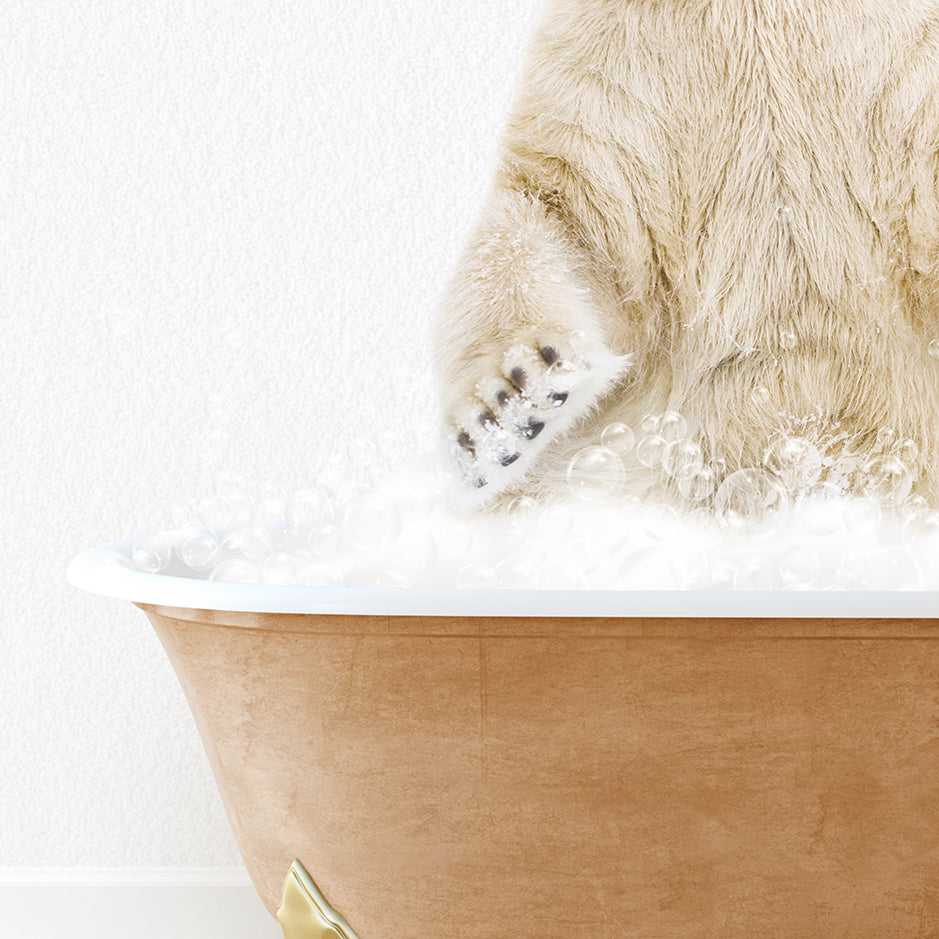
(727,209)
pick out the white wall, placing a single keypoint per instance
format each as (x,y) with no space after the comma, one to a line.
(223,229)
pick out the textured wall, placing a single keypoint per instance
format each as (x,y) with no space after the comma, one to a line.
(223,230)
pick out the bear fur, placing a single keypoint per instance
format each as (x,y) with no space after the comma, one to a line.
(724,208)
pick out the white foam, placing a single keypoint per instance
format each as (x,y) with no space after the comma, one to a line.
(404,533)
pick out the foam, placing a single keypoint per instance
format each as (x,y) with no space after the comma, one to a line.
(403,532)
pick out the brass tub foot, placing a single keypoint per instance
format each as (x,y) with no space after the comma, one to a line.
(304,912)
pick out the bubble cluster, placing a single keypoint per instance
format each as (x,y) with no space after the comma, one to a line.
(756,497)
(812,514)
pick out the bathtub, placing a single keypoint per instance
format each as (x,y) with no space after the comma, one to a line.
(420,764)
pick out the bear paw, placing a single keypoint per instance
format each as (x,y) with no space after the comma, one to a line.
(536,391)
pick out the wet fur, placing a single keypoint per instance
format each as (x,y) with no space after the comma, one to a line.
(685,182)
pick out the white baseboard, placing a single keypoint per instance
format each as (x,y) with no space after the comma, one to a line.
(125,876)
(145,903)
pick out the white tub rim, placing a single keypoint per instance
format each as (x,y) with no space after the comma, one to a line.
(94,570)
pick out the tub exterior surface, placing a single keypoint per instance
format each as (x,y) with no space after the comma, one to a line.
(467,778)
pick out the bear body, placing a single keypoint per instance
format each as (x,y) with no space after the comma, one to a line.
(727,209)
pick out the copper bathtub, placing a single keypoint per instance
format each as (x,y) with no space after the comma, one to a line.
(417,764)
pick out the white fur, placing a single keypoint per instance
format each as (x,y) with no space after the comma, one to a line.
(694,184)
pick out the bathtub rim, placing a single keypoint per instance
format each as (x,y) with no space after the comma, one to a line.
(94,570)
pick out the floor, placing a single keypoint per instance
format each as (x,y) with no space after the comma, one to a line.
(141,912)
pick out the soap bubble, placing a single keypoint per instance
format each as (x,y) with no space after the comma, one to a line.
(119,560)
(412,555)
(908,451)
(371,521)
(696,572)
(823,514)
(556,521)
(795,461)
(199,549)
(152,553)
(588,555)
(455,539)
(418,500)
(227,485)
(609,532)
(723,576)
(756,574)
(558,575)
(279,567)
(672,426)
(308,505)
(893,568)
(915,507)
(933,348)
(516,573)
(924,525)
(318,574)
(254,542)
(799,566)
(650,450)
(381,580)
(618,437)
(234,492)
(532,549)
(750,502)
(888,479)
(852,571)
(578,339)
(659,522)
(521,510)
(761,395)
(269,511)
(649,424)
(697,484)
(236,571)
(183,516)
(861,514)
(595,474)
(515,535)
(302,556)
(682,456)
(476,576)
(649,568)
(324,539)
(214,512)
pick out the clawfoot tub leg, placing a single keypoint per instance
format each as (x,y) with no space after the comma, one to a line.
(304,912)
